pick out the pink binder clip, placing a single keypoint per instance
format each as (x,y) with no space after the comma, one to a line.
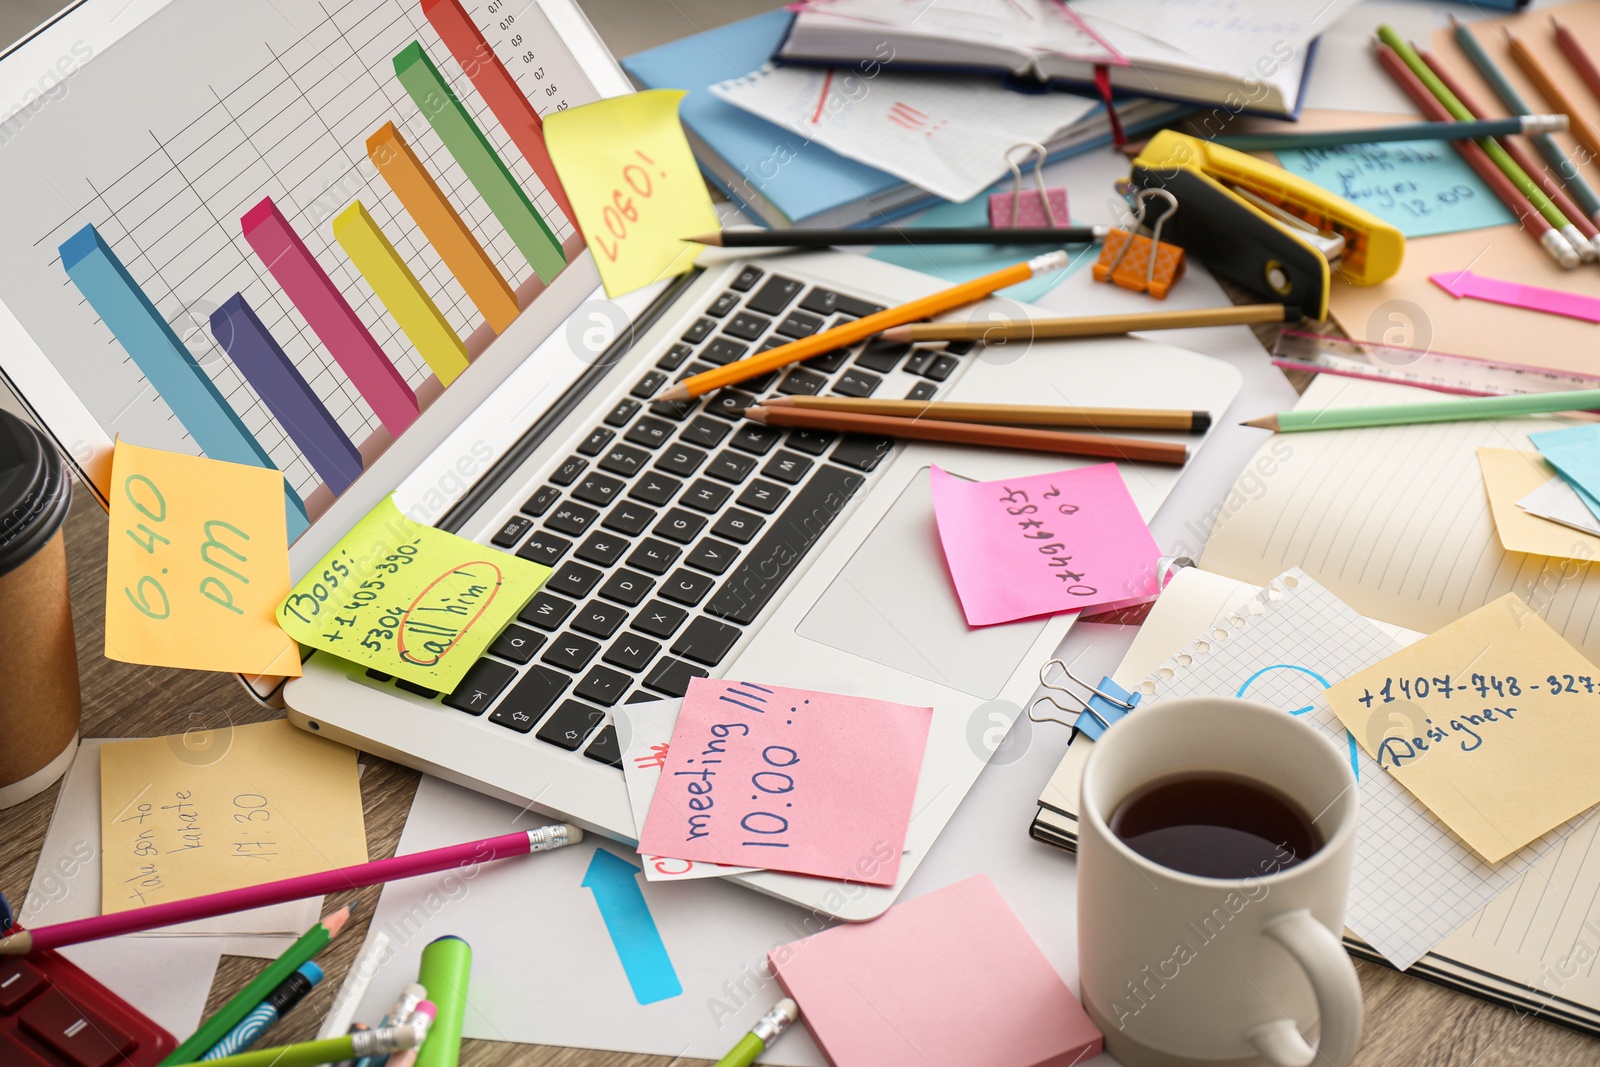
(1043,208)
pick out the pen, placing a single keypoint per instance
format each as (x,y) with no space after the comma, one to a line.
(767,1029)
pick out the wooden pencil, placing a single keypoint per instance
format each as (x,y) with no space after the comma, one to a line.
(1092,325)
(1451,409)
(903,235)
(1582,132)
(1576,54)
(1042,415)
(966,433)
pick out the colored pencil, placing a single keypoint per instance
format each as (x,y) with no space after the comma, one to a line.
(1456,409)
(1573,49)
(1046,415)
(310,885)
(244,1002)
(1092,325)
(332,1049)
(903,235)
(1548,146)
(278,1003)
(1411,131)
(966,433)
(1557,246)
(1582,132)
(860,329)
(343,1009)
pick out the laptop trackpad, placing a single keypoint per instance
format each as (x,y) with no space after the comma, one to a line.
(893,603)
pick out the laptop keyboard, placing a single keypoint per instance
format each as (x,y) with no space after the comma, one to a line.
(671,526)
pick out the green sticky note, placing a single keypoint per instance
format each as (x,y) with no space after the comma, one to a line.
(412,601)
(1421,187)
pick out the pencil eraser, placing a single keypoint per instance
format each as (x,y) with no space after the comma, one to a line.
(425,1008)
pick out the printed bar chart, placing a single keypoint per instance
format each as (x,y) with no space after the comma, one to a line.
(330,315)
(286,393)
(443,227)
(499,90)
(477,158)
(400,292)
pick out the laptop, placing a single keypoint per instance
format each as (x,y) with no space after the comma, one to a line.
(685,540)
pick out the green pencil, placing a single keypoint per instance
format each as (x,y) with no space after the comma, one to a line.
(1457,409)
(216,1028)
(355,1045)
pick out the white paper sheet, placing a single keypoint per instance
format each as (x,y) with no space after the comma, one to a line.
(1557,501)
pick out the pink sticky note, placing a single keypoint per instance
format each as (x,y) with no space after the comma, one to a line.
(950,979)
(788,780)
(1044,544)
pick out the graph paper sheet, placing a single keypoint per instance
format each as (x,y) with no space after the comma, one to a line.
(1413,881)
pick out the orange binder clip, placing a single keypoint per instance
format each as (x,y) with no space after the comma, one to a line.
(1134,261)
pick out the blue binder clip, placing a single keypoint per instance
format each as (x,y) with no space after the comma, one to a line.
(1106,704)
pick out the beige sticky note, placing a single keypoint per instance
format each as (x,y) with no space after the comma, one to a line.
(219,809)
(1492,722)
(1510,475)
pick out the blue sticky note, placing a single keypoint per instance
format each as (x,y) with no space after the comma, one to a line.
(1421,187)
(1575,453)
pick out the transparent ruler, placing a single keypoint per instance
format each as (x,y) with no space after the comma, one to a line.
(1441,371)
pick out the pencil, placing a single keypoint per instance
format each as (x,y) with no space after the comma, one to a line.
(343,1009)
(903,235)
(333,1049)
(1092,325)
(1582,132)
(1570,47)
(1548,147)
(1558,247)
(860,329)
(1007,414)
(1456,409)
(1523,123)
(966,433)
(217,1027)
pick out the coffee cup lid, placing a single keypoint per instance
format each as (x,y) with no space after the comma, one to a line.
(34,492)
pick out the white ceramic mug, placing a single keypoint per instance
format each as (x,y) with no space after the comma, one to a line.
(1182,971)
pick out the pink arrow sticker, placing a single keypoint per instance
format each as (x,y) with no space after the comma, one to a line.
(1531,297)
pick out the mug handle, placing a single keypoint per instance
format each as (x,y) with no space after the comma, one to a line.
(1338,992)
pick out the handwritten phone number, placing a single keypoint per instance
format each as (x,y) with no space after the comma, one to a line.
(1421,688)
(1033,530)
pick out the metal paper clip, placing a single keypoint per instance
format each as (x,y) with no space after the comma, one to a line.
(1139,201)
(1049,199)
(1106,704)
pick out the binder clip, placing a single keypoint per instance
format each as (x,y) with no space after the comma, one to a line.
(1134,261)
(1045,208)
(1107,703)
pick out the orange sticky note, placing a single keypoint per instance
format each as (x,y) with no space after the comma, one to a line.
(197,563)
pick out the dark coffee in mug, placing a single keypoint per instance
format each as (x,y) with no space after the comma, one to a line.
(1216,826)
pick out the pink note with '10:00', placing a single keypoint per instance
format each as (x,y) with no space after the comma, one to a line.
(788,780)
(1044,543)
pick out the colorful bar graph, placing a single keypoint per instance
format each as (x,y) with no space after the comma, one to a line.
(483,167)
(286,393)
(330,316)
(400,292)
(499,90)
(439,222)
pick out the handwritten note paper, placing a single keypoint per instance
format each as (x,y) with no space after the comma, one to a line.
(1422,187)
(220,809)
(1043,544)
(197,561)
(788,780)
(1509,476)
(409,600)
(634,184)
(1490,722)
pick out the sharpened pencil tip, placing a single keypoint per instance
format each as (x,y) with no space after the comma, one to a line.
(756,413)
(677,392)
(712,239)
(896,334)
(336,921)
(1265,422)
(778,402)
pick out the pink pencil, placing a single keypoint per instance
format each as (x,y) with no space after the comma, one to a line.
(503,847)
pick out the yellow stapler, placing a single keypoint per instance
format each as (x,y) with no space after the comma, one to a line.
(1268,230)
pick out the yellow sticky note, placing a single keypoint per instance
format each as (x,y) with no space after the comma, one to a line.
(222,809)
(1510,475)
(634,185)
(412,601)
(197,562)
(1491,723)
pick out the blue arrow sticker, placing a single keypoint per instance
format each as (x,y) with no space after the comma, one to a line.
(615,884)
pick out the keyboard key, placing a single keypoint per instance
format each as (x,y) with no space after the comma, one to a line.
(659,619)
(680,526)
(729,403)
(544,547)
(828,362)
(415,690)
(746,327)
(922,391)
(483,682)
(736,525)
(723,351)
(650,432)
(605,748)
(712,555)
(545,611)
(598,619)
(602,549)
(568,472)
(509,534)
(14,1054)
(570,652)
(646,387)
(681,459)
(762,496)
(811,442)
(862,453)
(655,488)
(632,652)
(731,467)
(920,361)
(778,293)
(624,460)
(596,488)
(540,502)
(686,587)
(627,587)
(706,641)
(941,368)
(624,411)
(723,304)
(530,698)
(78,1036)
(787,467)
(694,368)
(571,519)
(824,302)
(698,332)
(629,518)
(746,591)
(747,277)
(881,356)
(674,357)
(515,643)
(760,384)
(857,383)
(799,325)
(596,442)
(802,383)
(959,348)
(653,556)
(756,439)
(571,723)
(20,980)
(705,496)
(705,432)
(640,696)
(675,410)
(573,579)
(603,685)
(672,676)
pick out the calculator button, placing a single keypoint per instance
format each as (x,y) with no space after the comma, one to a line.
(13,1054)
(483,682)
(515,643)
(82,1038)
(19,980)
(778,293)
